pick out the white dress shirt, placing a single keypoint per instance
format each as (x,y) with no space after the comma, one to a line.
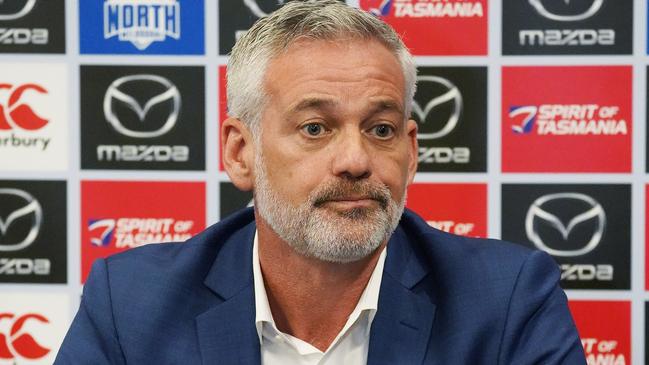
(350,345)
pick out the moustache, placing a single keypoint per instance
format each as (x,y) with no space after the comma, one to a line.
(344,189)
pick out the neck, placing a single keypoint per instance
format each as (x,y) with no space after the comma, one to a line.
(310,299)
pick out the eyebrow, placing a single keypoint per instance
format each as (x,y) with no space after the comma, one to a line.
(312,103)
(385,105)
(376,107)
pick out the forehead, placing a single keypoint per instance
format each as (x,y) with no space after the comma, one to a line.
(345,67)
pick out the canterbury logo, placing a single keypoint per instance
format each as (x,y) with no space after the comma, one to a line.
(17,342)
(16,114)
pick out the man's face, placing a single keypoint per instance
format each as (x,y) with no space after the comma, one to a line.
(336,152)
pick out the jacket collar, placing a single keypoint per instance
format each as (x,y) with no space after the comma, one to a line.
(401,327)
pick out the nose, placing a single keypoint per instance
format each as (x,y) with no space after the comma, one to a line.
(351,158)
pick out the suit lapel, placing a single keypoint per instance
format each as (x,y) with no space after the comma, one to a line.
(402,325)
(227,332)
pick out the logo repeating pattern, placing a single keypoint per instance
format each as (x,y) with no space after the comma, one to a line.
(33,237)
(142,27)
(137,118)
(586,228)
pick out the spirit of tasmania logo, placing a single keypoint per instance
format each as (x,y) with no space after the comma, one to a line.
(120,215)
(436,27)
(605,330)
(134,232)
(571,119)
(566,119)
(459,208)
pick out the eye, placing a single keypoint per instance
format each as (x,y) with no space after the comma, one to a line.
(383,131)
(313,129)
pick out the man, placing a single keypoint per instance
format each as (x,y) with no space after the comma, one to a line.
(327,268)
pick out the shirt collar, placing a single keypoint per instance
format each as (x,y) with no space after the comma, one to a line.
(368,301)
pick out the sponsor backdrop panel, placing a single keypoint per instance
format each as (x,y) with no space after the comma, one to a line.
(32,326)
(143,117)
(142,27)
(563,27)
(232,199)
(605,330)
(235,17)
(223,106)
(586,228)
(113,147)
(33,240)
(33,116)
(557,118)
(451,27)
(34,26)
(450,108)
(119,215)
(458,208)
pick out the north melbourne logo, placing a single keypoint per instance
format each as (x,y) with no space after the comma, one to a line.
(23,207)
(18,116)
(16,341)
(133,232)
(567,120)
(142,22)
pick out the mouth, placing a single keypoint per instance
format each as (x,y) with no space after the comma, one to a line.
(346,203)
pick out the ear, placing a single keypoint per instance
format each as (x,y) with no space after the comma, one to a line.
(238,153)
(413,148)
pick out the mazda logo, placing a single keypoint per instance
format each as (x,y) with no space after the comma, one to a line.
(538,215)
(28,207)
(115,95)
(256,10)
(29,5)
(594,8)
(451,94)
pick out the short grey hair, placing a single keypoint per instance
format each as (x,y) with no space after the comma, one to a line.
(312,19)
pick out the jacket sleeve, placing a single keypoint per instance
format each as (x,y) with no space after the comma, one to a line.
(92,337)
(539,327)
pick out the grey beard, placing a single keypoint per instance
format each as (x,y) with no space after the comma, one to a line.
(314,231)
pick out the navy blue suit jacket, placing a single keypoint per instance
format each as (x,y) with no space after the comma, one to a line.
(444,299)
